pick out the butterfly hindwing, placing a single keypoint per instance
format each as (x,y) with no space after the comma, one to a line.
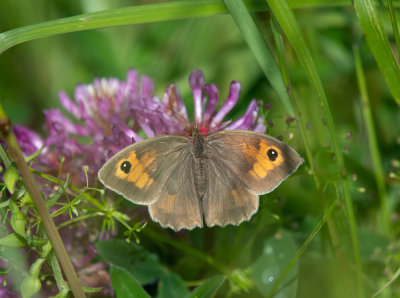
(227,200)
(178,206)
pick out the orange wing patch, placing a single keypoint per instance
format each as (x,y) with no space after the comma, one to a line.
(263,164)
(169,203)
(137,174)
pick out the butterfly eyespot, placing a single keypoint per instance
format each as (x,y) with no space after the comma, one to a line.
(126,167)
(272,154)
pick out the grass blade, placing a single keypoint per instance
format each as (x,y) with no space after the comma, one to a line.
(372,26)
(261,52)
(117,17)
(384,222)
(290,27)
(302,249)
(394,26)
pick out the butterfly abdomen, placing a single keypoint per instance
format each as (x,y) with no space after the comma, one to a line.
(199,164)
(200,176)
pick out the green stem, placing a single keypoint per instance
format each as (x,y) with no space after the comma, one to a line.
(289,25)
(71,187)
(282,63)
(61,284)
(76,219)
(384,222)
(51,230)
(302,129)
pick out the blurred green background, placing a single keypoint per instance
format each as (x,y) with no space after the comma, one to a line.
(33,73)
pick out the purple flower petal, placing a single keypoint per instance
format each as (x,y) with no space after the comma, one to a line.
(260,125)
(147,87)
(81,95)
(29,141)
(132,80)
(122,127)
(69,105)
(234,92)
(246,121)
(213,92)
(196,82)
(58,124)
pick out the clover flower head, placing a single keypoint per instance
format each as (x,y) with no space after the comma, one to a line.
(206,117)
(110,114)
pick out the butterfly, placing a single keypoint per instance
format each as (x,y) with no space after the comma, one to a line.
(186,181)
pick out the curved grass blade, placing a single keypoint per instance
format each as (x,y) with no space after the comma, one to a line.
(371,24)
(394,26)
(117,17)
(290,27)
(261,52)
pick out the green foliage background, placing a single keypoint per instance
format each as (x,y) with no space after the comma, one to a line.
(332,228)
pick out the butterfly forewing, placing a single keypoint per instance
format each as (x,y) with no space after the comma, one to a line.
(140,171)
(260,161)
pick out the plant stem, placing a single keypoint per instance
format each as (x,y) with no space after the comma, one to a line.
(15,153)
(384,220)
(289,25)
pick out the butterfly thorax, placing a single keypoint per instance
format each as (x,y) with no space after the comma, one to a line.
(198,144)
(199,163)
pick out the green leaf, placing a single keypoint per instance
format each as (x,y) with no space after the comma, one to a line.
(171,285)
(277,254)
(12,240)
(11,177)
(261,52)
(372,26)
(30,286)
(18,221)
(208,288)
(125,285)
(143,266)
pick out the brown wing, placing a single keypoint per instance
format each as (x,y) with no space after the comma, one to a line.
(178,206)
(227,199)
(140,171)
(241,166)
